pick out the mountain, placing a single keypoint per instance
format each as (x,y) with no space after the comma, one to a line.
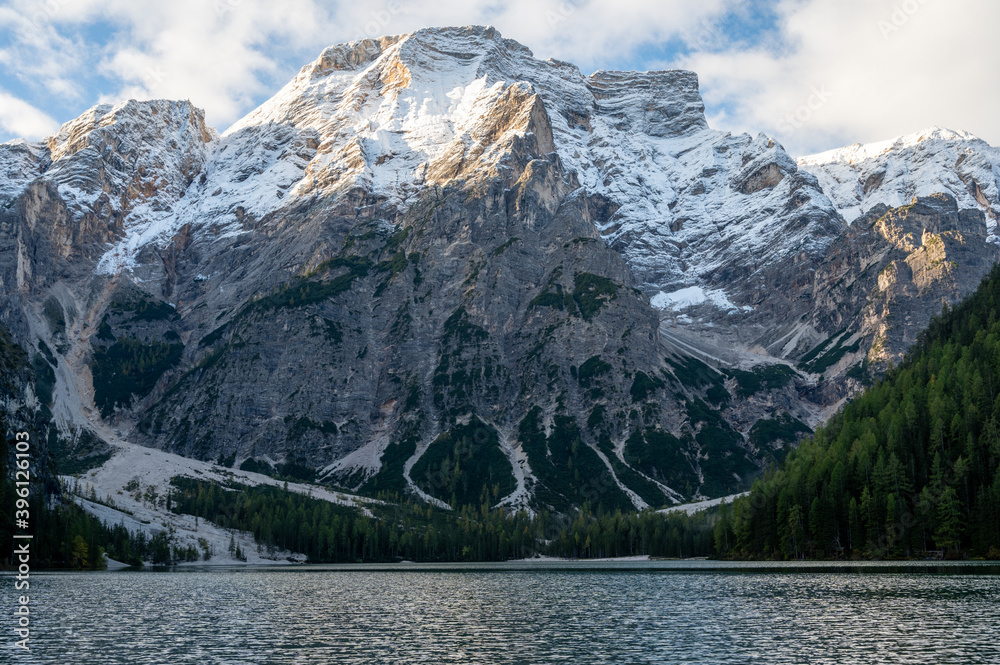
(922,210)
(918,231)
(434,264)
(911,467)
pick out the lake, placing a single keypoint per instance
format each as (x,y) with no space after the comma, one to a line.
(546,612)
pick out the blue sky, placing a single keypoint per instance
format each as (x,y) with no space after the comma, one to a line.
(815,74)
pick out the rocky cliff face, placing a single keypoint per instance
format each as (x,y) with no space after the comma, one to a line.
(22,391)
(426,266)
(885,278)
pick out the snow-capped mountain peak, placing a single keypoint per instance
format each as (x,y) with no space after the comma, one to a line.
(396,113)
(860,152)
(145,149)
(892,172)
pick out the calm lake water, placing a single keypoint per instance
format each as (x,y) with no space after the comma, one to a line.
(635,612)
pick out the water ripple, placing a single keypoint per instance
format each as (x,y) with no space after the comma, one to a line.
(576,617)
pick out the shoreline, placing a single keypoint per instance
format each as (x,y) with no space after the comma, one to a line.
(620,565)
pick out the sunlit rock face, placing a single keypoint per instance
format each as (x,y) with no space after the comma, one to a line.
(435,264)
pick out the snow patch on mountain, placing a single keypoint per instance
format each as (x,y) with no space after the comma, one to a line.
(698,506)
(691,296)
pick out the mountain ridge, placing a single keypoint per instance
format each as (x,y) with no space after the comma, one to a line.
(937,160)
(422,239)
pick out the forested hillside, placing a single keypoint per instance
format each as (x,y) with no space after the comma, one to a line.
(908,468)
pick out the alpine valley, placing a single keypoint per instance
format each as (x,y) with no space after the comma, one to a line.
(436,267)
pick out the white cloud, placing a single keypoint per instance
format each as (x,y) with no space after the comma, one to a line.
(834,71)
(37,53)
(217,54)
(19,118)
(224,55)
(862,70)
(585,32)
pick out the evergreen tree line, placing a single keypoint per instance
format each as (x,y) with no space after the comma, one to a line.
(909,468)
(670,535)
(66,536)
(63,535)
(402,529)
